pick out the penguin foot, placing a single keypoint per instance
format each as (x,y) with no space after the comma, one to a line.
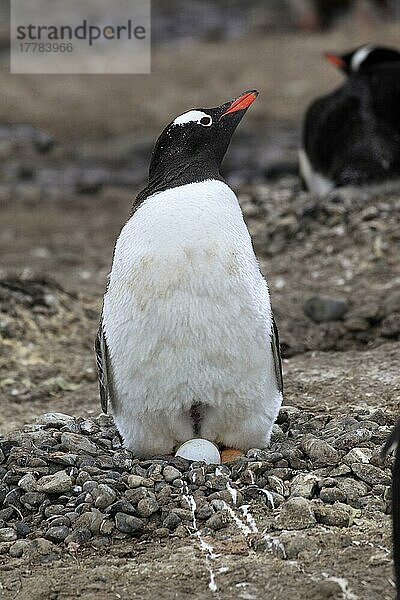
(230,454)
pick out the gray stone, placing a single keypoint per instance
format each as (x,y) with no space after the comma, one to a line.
(352,439)
(87,426)
(161,532)
(172,521)
(296,513)
(54,419)
(390,326)
(8,534)
(122,505)
(330,495)
(353,490)
(103,496)
(78,444)
(147,507)
(357,455)
(370,474)
(91,520)
(135,481)
(218,521)
(40,547)
(135,495)
(19,548)
(27,482)
(57,534)
(304,485)
(22,528)
(338,514)
(294,543)
(170,473)
(277,485)
(320,452)
(32,499)
(321,309)
(57,483)
(79,536)
(204,512)
(128,523)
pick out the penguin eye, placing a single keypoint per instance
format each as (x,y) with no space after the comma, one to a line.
(206,121)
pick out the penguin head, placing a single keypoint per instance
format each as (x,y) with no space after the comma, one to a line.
(363,58)
(200,136)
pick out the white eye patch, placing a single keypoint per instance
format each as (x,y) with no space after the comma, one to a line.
(360,56)
(193,116)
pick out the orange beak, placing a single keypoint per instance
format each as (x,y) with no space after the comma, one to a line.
(335,60)
(242,102)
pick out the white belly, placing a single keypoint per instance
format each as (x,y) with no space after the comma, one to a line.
(187,314)
(316,183)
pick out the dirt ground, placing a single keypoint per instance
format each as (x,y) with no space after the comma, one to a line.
(344,247)
(47,364)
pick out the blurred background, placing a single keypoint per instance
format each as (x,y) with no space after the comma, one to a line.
(75,151)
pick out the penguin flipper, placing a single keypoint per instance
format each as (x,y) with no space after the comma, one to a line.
(103,368)
(393,440)
(276,353)
(392,443)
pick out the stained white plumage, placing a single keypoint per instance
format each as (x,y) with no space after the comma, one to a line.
(187,319)
(187,345)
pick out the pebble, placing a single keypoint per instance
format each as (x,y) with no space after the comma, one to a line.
(19,548)
(172,521)
(136,481)
(320,452)
(54,419)
(370,474)
(204,512)
(296,513)
(127,523)
(304,485)
(54,484)
(8,534)
(321,309)
(357,455)
(218,521)
(79,536)
(337,515)
(27,483)
(57,534)
(170,474)
(147,507)
(103,496)
(78,444)
(318,470)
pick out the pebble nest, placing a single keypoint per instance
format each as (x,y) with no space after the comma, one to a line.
(67,481)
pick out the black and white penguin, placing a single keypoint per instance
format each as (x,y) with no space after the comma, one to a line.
(363,58)
(187,344)
(352,135)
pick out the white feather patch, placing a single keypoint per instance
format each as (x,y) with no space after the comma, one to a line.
(189,117)
(359,57)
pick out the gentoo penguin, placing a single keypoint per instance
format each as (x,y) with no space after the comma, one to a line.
(352,135)
(187,344)
(393,444)
(363,58)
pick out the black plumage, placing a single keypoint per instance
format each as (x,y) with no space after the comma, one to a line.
(352,135)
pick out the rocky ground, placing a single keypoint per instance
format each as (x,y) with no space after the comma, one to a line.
(70,493)
(79,515)
(309,516)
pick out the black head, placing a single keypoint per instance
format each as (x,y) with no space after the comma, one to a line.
(192,147)
(363,58)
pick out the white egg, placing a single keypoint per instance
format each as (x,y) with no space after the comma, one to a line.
(199,450)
